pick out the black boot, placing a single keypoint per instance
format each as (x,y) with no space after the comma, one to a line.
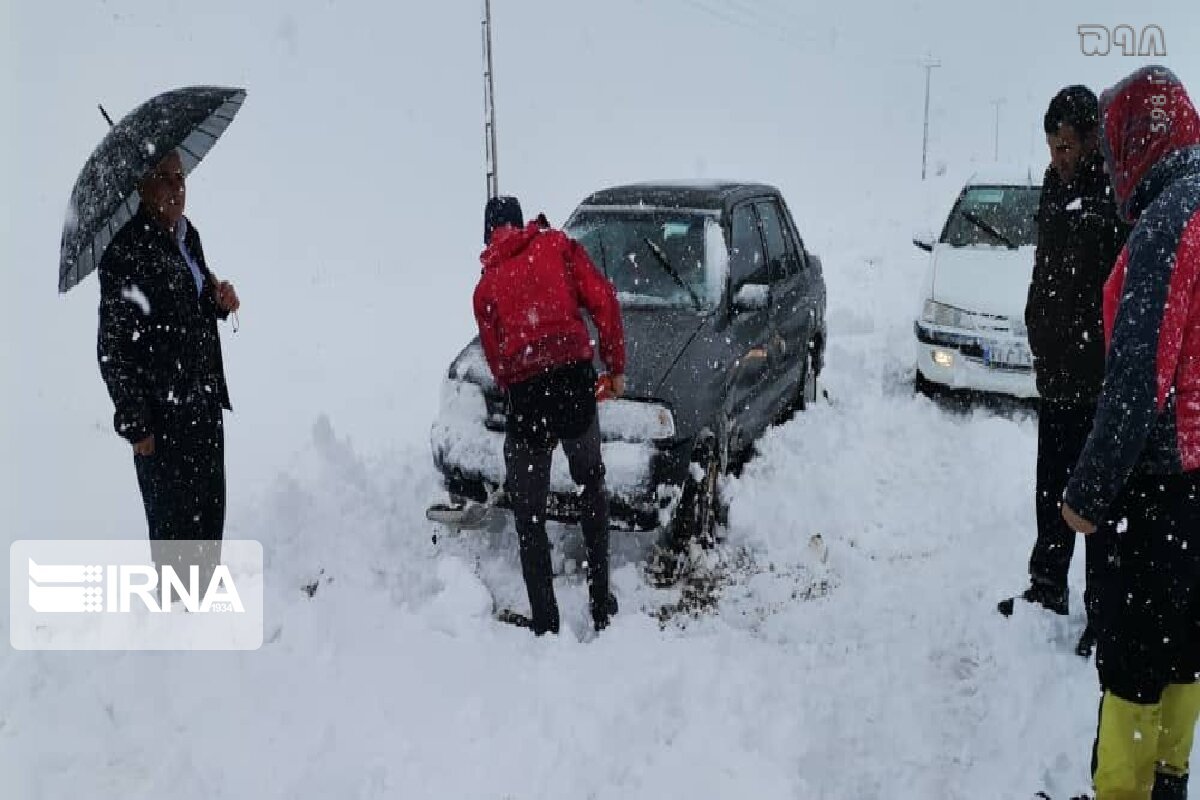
(1051,598)
(1087,642)
(602,614)
(1169,787)
(539,579)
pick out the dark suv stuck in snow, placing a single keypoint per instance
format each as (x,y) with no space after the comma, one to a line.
(724,315)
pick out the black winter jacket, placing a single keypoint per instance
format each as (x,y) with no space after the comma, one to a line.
(158,345)
(1078,241)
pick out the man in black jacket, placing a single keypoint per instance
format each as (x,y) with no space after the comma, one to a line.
(1079,238)
(160,357)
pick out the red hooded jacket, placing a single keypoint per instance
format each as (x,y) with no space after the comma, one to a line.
(1148,417)
(536,282)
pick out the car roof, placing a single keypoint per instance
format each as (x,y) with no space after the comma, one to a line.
(705,195)
(1007,175)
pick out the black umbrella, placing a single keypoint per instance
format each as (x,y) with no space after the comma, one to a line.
(189,120)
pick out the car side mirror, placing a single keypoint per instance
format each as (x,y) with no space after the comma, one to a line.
(751,297)
(924,240)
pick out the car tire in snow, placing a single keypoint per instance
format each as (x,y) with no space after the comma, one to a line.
(807,393)
(695,518)
(808,390)
(698,511)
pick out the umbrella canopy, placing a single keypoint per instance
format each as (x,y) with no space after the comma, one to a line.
(188,120)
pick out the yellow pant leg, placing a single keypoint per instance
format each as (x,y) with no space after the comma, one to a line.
(1127,749)
(1180,708)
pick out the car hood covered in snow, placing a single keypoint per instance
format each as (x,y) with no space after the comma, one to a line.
(987,280)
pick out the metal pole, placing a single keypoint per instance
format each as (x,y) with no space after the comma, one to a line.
(929,64)
(996,136)
(489,104)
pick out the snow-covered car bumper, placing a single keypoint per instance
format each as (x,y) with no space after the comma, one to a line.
(640,476)
(961,360)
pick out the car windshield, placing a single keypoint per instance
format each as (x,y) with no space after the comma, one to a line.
(639,250)
(996,216)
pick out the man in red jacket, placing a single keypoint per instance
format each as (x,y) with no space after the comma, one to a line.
(1140,468)
(536,283)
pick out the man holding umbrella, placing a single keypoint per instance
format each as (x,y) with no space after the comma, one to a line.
(160,356)
(158,346)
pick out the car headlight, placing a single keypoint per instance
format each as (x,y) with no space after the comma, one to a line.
(945,316)
(635,421)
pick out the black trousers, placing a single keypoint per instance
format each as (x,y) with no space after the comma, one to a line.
(1149,632)
(183,490)
(1063,429)
(527,460)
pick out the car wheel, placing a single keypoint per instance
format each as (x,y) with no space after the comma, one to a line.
(696,515)
(807,391)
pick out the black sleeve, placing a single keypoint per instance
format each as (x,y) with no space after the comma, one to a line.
(1052,216)
(121,342)
(1048,237)
(1129,402)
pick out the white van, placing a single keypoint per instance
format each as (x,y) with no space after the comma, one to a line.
(970,329)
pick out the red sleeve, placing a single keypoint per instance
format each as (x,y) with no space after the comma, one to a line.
(485,318)
(600,300)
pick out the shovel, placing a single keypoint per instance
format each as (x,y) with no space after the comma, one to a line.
(468,516)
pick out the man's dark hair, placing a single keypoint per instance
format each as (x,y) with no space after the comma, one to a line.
(498,212)
(1075,106)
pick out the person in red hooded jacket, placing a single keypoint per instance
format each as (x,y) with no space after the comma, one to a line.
(1140,468)
(536,285)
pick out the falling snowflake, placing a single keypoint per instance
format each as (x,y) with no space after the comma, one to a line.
(134,295)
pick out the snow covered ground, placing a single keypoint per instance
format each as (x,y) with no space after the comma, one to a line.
(849,647)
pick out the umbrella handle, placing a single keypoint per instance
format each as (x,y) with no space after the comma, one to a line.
(237,323)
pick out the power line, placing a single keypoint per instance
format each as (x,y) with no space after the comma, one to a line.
(771,15)
(760,22)
(740,22)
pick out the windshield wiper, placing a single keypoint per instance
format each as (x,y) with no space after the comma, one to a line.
(670,270)
(988,229)
(603,256)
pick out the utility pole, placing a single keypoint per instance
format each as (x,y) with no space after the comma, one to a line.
(929,63)
(489,103)
(999,101)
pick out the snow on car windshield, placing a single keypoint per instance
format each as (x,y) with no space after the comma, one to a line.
(998,216)
(639,250)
